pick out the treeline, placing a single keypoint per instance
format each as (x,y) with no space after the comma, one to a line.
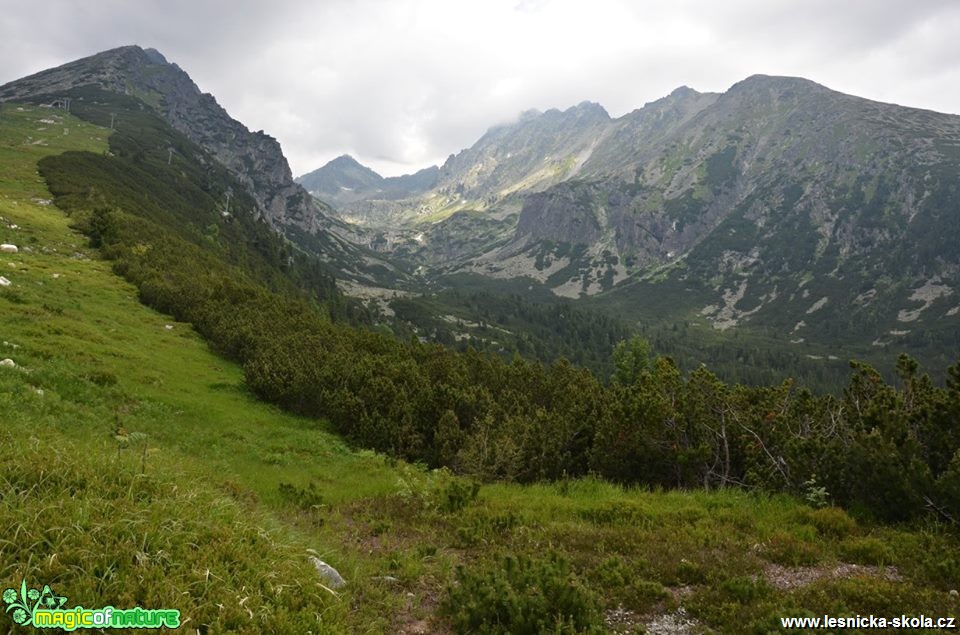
(891,450)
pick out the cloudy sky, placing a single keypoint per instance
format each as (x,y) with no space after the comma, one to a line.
(401,84)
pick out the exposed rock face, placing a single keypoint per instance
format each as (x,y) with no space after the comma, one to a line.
(537,151)
(254,157)
(561,215)
(780,203)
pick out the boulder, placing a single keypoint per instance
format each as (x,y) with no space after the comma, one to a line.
(8,249)
(331,576)
(9,363)
(4,282)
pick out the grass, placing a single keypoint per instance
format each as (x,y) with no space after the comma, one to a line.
(135,468)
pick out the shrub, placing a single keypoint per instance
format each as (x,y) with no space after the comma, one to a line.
(815,494)
(832,522)
(744,590)
(482,526)
(788,550)
(618,513)
(457,494)
(306,498)
(621,585)
(866,551)
(521,597)
(690,572)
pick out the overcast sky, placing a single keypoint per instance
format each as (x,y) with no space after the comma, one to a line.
(401,84)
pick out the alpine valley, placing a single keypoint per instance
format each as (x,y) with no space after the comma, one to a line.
(689,370)
(777,216)
(779,227)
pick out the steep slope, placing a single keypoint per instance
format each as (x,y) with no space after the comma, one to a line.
(254,158)
(127,442)
(536,151)
(806,213)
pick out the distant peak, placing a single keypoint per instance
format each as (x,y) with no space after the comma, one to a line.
(679,97)
(683,92)
(589,108)
(345,162)
(344,159)
(775,82)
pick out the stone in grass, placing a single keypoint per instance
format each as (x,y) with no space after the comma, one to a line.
(9,363)
(8,249)
(331,576)
(4,282)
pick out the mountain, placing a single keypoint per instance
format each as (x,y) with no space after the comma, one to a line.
(532,153)
(779,207)
(344,181)
(254,158)
(343,173)
(537,151)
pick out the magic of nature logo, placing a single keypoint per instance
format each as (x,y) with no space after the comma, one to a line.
(42,608)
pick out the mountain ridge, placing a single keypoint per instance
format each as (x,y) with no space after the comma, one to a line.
(781,206)
(254,158)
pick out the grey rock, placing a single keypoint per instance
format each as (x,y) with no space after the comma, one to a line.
(331,576)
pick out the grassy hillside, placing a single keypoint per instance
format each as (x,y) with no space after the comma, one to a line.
(108,521)
(135,468)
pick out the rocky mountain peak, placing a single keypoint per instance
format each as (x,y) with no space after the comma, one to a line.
(589,108)
(341,174)
(255,158)
(345,161)
(683,92)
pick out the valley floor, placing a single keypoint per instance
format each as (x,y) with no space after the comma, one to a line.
(136,469)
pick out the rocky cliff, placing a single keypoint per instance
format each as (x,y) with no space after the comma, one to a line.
(254,157)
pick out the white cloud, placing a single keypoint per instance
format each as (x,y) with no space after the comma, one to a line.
(401,84)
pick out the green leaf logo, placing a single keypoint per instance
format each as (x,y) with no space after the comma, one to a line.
(22,605)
